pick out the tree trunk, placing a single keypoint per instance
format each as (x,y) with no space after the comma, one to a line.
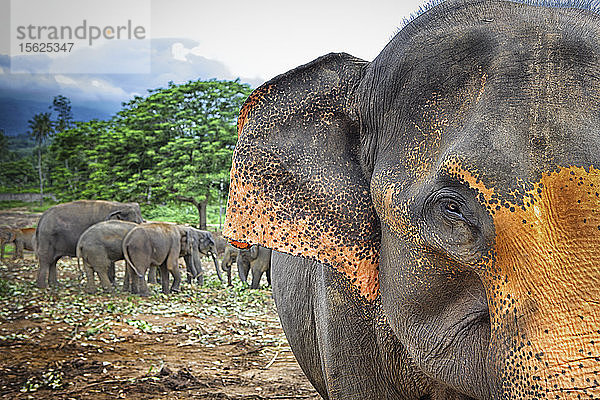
(200,206)
(40,175)
(202,215)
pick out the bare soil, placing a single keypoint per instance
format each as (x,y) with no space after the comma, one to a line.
(209,342)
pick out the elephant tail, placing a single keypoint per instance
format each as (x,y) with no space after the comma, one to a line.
(78,255)
(128,260)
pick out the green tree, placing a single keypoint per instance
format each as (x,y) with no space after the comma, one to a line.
(173,145)
(41,128)
(3,145)
(70,152)
(62,107)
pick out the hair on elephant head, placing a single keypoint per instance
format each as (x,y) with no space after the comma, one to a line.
(442,202)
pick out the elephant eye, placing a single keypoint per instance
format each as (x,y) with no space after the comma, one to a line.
(452,209)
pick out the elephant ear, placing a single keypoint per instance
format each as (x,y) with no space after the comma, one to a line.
(297,185)
(115,215)
(253,252)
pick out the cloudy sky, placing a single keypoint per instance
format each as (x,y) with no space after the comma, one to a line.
(226,39)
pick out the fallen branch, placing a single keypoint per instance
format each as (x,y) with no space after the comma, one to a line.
(72,339)
(97,384)
(190,343)
(272,360)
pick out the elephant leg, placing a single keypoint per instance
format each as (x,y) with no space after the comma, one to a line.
(228,270)
(127,284)
(199,274)
(152,274)
(164,277)
(104,273)
(47,270)
(140,287)
(18,253)
(52,276)
(269,276)
(2,251)
(112,273)
(176,272)
(90,285)
(256,275)
(243,271)
(190,271)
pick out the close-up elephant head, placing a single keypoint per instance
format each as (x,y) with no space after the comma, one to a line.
(454,184)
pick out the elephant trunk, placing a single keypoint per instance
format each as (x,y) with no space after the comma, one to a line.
(192,256)
(543,289)
(212,252)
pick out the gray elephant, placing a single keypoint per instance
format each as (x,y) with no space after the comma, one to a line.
(229,256)
(436,212)
(24,240)
(60,227)
(99,247)
(256,259)
(205,244)
(158,244)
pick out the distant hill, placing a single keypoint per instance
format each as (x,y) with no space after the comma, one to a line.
(14,114)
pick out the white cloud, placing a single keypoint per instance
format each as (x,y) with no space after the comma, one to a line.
(65,80)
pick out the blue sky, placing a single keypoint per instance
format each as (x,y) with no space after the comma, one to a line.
(228,39)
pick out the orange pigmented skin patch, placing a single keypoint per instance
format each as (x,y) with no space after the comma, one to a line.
(301,236)
(543,282)
(239,245)
(253,100)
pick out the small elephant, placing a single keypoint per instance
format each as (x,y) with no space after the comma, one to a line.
(158,244)
(24,240)
(99,247)
(205,243)
(257,259)
(229,256)
(7,235)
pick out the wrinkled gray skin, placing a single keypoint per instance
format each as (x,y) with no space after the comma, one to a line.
(256,259)
(60,227)
(99,247)
(7,235)
(158,244)
(206,246)
(229,256)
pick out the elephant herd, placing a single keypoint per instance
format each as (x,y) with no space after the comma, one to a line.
(102,232)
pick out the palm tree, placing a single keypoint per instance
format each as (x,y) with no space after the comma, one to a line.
(41,128)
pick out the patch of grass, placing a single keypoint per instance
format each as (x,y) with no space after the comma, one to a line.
(182,213)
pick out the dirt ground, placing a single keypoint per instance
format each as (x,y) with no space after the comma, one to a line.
(209,342)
